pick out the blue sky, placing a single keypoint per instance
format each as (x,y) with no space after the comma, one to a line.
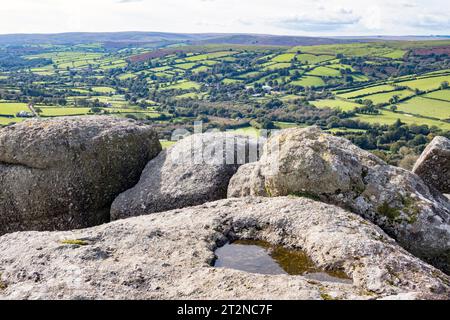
(293,17)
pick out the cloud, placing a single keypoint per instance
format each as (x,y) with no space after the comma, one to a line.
(291,17)
(409,5)
(331,21)
(128,1)
(432,21)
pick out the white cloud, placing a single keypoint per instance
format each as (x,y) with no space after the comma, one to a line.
(302,17)
(329,21)
(432,21)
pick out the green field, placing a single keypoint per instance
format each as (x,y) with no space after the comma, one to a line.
(47,71)
(340,66)
(425,84)
(366,91)
(277,66)
(103,89)
(396,54)
(285,57)
(385,97)
(231,81)
(200,69)
(313,59)
(159,69)
(249,75)
(426,107)
(285,125)
(441,95)
(185,85)
(325,72)
(6,121)
(360,78)
(192,95)
(386,50)
(309,81)
(126,76)
(13,108)
(227,84)
(185,66)
(334,104)
(247,131)
(57,112)
(346,130)
(209,56)
(388,117)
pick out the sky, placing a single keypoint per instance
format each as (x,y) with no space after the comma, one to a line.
(287,17)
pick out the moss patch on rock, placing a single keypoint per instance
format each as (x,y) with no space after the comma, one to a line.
(391,213)
(305,194)
(75,242)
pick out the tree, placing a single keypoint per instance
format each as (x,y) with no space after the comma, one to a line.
(368,103)
(398,123)
(394,108)
(267,124)
(394,99)
(349,78)
(96,109)
(444,85)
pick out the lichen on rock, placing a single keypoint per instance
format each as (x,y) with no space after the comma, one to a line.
(433,166)
(309,161)
(64,173)
(195,170)
(170,256)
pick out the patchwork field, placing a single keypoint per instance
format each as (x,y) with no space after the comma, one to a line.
(58,111)
(366,91)
(325,72)
(185,85)
(426,107)
(285,57)
(440,95)
(379,98)
(426,84)
(335,104)
(217,83)
(386,50)
(277,66)
(12,108)
(313,59)
(388,117)
(209,56)
(309,81)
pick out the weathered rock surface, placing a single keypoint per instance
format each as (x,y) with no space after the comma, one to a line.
(196,170)
(433,166)
(169,256)
(64,173)
(314,164)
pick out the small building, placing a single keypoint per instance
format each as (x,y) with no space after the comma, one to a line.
(24,114)
(267,88)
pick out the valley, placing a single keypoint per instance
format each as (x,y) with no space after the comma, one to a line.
(383,96)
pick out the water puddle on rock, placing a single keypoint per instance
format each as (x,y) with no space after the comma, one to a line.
(263,258)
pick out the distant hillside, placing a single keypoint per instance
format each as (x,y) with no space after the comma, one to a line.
(164,39)
(82,37)
(271,40)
